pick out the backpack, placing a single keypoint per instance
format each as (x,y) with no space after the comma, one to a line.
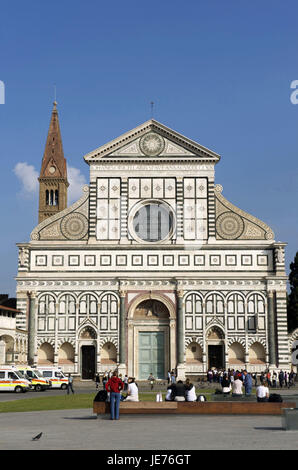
(201,398)
(101,395)
(275,398)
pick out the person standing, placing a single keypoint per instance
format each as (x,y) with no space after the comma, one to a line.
(274,379)
(209,376)
(173,377)
(97,381)
(247,383)
(70,384)
(151,379)
(291,378)
(281,378)
(169,377)
(114,387)
(254,376)
(104,381)
(125,381)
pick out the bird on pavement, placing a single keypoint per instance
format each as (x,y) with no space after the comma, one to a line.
(37,437)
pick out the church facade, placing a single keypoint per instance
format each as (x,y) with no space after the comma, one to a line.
(152,269)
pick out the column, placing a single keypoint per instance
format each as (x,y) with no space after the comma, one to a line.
(211,209)
(122,336)
(180,344)
(271,330)
(179,210)
(31,328)
(124,211)
(92,211)
(283,357)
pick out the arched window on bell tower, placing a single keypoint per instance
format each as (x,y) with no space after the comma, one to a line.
(56,202)
(51,197)
(47,198)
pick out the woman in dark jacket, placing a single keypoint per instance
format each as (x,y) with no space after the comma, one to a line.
(226,385)
(114,386)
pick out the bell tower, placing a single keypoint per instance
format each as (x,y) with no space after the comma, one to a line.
(53,182)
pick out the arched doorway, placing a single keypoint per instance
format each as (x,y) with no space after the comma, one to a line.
(216,348)
(151,339)
(88,353)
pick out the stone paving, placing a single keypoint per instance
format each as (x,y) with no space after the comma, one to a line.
(81,430)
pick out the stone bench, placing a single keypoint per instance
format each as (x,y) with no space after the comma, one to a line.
(209,408)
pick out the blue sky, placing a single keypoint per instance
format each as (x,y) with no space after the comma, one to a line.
(219,72)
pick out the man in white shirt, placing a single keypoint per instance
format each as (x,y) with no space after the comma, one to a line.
(262,393)
(237,388)
(133,391)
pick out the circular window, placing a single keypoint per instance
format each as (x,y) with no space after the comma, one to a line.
(153,221)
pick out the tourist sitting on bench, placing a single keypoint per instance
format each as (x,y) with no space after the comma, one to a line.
(226,385)
(178,391)
(237,388)
(132,391)
(262,393)
(190,391)
(169,396)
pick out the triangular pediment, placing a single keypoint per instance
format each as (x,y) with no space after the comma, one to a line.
(152,140)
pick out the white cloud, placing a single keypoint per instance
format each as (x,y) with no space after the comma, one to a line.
(76,182)
(28,177)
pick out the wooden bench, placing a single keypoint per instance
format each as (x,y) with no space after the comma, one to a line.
(207,408)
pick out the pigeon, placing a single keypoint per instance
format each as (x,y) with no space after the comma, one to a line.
(37,437)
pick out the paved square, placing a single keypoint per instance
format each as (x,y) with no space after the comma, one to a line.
(79,429)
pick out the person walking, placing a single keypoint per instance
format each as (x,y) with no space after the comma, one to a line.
(114,387)
(70,384)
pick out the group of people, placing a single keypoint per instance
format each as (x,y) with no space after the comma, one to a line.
(181,391)
(236,382)
(281,378)
(270,378)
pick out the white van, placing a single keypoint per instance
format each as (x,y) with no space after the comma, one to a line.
(55,376)
(38,382)
(11,381)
